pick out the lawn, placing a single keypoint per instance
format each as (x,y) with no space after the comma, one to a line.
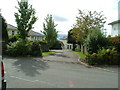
(82,55)
(48,53)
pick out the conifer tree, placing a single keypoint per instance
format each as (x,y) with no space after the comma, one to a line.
(50,31)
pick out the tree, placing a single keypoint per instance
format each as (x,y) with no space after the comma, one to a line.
(4,29)
(50,31)
(4,34)
(77,35)
(25,18)
(95,41)
(86,22)
(71,39)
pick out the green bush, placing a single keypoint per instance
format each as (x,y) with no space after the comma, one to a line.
(18,48)
(57,45)
(110,56)
(35,49)
(23,48)
(95,41)
(44,46)
(115,41)
(13,38)
(104,57)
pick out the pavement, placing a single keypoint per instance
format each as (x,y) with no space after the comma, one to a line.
(60,70)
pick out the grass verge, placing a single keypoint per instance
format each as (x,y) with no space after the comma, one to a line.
(82,55)
(48,53)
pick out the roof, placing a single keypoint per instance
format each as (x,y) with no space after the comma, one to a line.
(33,33)
(9,26)
(64,38)
(115,22)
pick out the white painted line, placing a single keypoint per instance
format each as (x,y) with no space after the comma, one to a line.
(22,79)
(33,80)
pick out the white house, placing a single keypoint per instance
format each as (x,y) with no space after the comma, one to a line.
(12,30)
(115,28)
(65,45)
(35,35)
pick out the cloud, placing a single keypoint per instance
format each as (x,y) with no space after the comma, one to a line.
(64,11)
(59,18)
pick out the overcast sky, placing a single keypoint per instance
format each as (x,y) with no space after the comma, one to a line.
(64,11)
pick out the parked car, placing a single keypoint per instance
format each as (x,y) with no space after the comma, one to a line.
(2,77)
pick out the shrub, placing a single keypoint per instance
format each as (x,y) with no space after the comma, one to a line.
(90,59)
(14,38)
(35,49)
(115,41)
(57,45)
(18,48)
(110,56)
(95,41)
(103,57)
(23,48)
(44,46)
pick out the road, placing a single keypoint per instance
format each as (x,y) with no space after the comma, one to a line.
(60,70)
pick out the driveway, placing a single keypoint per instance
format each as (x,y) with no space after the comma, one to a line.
(60,70)
(62,56)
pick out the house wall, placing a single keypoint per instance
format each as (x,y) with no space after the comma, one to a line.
(35,38)
(119,29)
(66,45)
(10,32)
(70,46)
(115,29)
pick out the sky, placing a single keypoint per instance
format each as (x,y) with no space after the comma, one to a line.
(64,12)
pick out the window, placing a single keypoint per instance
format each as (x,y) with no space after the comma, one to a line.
(13,32)
(70,46)
(32,37)
(35,38)
(67,46)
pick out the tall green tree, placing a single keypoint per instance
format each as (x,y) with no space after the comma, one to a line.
(25,18)
(4,36)
(86,22)
(49,31)
(4,29)
(71,39)
(95,41)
